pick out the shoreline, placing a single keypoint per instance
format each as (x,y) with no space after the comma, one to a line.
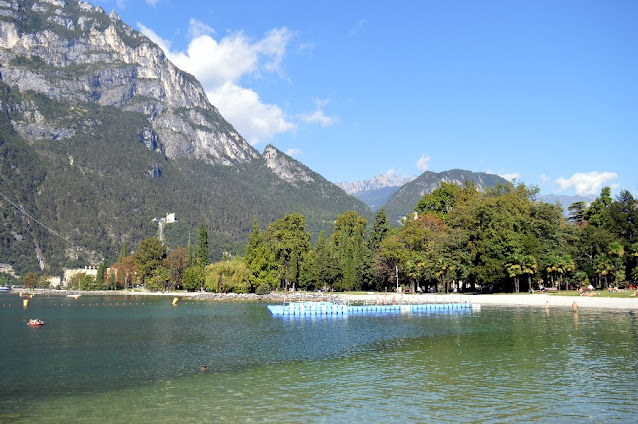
(505,300)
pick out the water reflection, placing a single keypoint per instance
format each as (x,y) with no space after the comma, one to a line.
(141,363)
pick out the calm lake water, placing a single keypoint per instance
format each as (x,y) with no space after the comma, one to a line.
(124,359)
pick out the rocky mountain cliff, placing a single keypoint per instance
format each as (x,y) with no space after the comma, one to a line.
(100,134)
(74,52)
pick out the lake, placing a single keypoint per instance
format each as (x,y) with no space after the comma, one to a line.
(137,359)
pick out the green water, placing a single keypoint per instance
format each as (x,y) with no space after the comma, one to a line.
(117,359)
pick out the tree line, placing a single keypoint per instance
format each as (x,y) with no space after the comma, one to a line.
(458,239)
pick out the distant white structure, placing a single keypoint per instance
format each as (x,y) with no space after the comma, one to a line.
(168,219)
(70,273)
(55,282)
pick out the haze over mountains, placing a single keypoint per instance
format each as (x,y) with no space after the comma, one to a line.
(100,134)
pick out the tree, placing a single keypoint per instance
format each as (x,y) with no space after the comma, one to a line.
(603,266)
(148,257)
(101,273)
(529,267)
(87,282)
(202,251)
(228,276)
(616,250)
(349,248)
(159,280)
(598,212)
(30,280)
(125,272)
(176,263)
(440,202)
(194,278)
(514,269)
(43,281)
(577,213)
(380,230)
(288,240)
(123,252)
(265,270)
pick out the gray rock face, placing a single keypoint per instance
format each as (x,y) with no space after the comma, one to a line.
(72,51)
(286,168)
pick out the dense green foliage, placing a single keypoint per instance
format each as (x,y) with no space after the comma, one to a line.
(461,239)
(403,201)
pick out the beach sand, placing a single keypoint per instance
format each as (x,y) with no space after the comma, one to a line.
(533,300)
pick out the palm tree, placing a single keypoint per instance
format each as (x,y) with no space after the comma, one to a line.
(617,251)
(529,267)
(603,266)
(514,269)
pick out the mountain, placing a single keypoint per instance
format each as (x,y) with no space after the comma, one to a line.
(100,134)
(406,198)
(70,51)
(376,191)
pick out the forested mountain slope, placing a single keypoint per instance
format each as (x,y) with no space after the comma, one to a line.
(100,134)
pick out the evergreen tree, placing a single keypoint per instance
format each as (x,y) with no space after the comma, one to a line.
(101,273)
(123,252)
(380,230)
(260,260)
(349,246)
(288,239)
(148,257)
(598,212)
(202,252)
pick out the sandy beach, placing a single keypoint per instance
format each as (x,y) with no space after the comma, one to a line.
(532,300)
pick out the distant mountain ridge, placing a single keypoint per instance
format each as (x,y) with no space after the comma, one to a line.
(377,182)
(376,191)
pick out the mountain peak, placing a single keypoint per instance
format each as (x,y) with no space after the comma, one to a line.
(285,167)
(375,183)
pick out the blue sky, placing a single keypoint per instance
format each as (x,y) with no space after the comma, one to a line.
(542,91)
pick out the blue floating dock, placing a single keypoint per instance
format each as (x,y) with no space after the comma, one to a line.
(330,308)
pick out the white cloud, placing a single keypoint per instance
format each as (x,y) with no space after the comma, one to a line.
(588,183)
(197,28)
(511,176)
(243,108)
(318,116)
(423,163)
(152,2)
(544,179)
(220,65)
(294,152)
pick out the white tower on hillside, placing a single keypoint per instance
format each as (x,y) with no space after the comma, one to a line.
(168,219)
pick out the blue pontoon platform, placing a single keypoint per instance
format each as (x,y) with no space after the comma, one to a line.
(331,308)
